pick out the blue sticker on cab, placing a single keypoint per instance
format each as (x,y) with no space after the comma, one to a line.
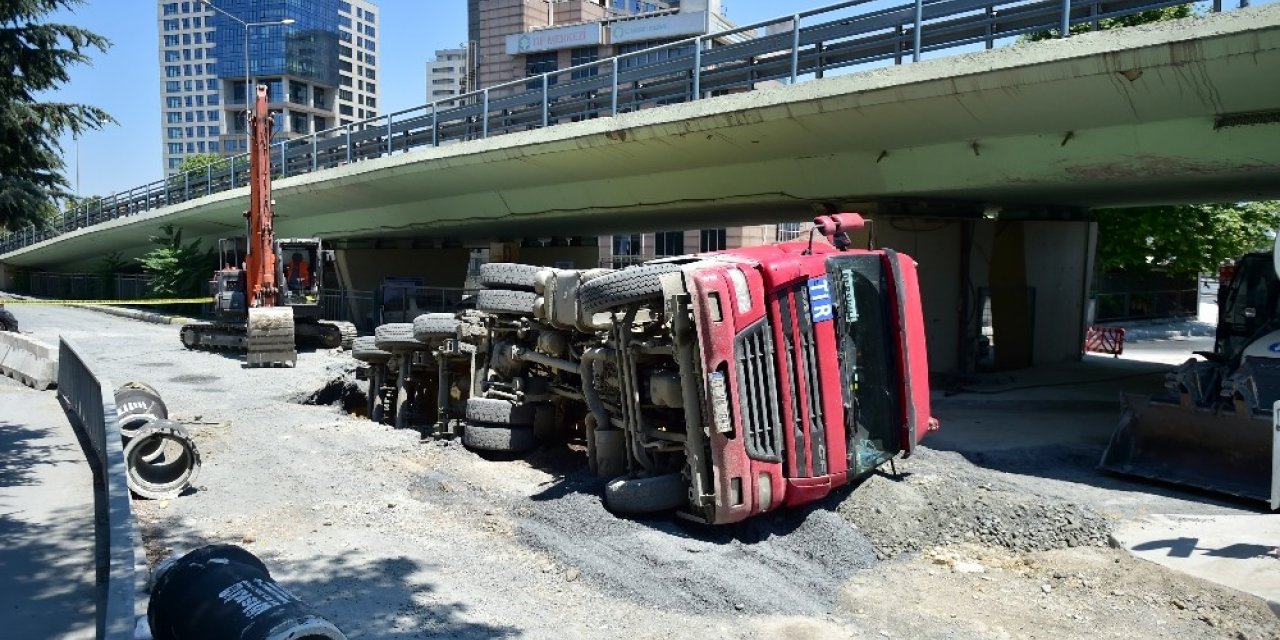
(820,309)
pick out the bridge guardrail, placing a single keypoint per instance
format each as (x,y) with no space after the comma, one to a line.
(91,405)
(827,39)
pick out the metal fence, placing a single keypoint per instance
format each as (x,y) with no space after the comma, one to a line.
(90,286)
(348,305)
(90,403)
(404,303)
(1132,305)
(790,49)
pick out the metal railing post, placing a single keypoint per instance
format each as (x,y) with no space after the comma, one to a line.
(348,144)
(208,179)
(915,35)
(315,153)
(697,69)
(484,115)
(435,124)
(233,172)
(614,95)
(1066,18)
(546,99)
(390,146)
(186,186)
(795,47)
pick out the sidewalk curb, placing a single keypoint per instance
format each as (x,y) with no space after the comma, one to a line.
(132,314)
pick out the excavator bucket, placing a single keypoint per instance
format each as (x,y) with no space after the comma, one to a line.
(270,337)
(1216,451)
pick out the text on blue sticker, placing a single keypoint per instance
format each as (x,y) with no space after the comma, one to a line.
(820,300)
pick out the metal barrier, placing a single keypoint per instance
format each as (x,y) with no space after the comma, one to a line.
(90,286)
(346,305)
(1133,305)
(90,402)
(831,38)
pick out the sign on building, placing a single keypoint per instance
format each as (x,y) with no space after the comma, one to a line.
(659,28)
(553,39)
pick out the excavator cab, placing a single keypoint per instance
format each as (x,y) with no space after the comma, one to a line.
(301,271)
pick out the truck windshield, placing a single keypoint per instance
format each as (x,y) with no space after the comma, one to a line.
(870,391)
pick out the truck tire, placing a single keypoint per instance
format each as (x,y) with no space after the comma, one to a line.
(396,336)
(431,326)
(620,288)
(364,350)
(646,495)
(505,438)
(509,275)
(499,411)
(507,302)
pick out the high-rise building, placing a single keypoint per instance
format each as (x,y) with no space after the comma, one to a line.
(320,69)
(447,76)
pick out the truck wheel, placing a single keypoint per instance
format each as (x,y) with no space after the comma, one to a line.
(498,411)
(498,437)
(646,495)
(429,326)
(620,288)
(503,301)
(396,336)
(363,349)
(509,275)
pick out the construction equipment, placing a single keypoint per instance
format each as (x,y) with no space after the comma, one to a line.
(267,292)
(1213,427)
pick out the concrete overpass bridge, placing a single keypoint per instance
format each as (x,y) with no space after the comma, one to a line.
(1172,112)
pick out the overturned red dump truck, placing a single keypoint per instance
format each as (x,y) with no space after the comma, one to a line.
(718,385)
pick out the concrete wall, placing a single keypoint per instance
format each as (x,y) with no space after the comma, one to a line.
(1057,259)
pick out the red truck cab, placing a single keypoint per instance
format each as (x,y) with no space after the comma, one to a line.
(814,370)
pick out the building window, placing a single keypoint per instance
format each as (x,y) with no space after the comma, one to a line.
(172,71)
(345,110)
(213,144)
(173,102)
(175,148)
(626,245)
(212,100)
(584,55)
(668,243)
(171,25)
(170,8)
(172,56)
(215,131)
(651,57)
(175,133)
(344,94)
(190,117)
(173,86)
(215,116)
(173,117)
(712,240)
(171,41)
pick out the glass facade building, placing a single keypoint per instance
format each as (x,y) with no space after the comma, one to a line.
(320,70)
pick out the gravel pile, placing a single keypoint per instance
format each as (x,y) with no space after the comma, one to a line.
(944,500)
(797,559)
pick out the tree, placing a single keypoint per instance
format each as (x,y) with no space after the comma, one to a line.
(178,271)
(1132,20)
(34,58)
(202,160)
(1183,239)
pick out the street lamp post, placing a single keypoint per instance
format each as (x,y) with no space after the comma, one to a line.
(248,80)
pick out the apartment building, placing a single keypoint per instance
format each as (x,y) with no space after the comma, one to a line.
(317,58)
(447,76)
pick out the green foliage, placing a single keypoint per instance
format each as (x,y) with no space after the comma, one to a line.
(179,271)
(1142,17)
(1184,239)
(111,264)
(34,58)
(202,160)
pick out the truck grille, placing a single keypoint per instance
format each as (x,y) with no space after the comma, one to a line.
(757,393)
(811,437)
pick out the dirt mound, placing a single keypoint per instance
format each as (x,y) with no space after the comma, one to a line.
(943,500)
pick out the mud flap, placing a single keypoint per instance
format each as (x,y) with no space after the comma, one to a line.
(1217,451)
(270,337)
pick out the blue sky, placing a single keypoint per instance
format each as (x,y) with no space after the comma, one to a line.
(126,80)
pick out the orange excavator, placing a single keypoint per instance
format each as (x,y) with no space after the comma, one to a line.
(267,292)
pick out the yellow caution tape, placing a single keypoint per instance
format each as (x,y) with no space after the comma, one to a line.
(4,301)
